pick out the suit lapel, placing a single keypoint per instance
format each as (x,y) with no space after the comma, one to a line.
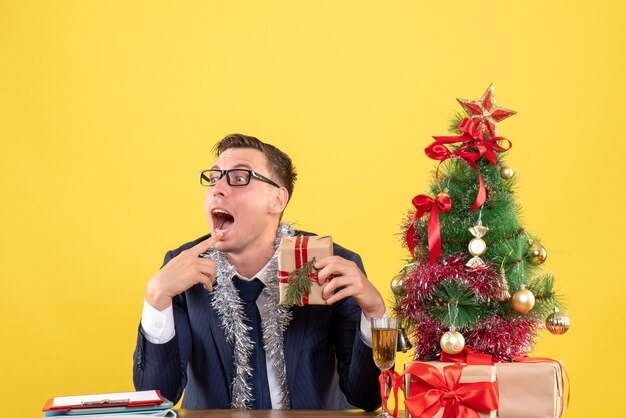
(224,349)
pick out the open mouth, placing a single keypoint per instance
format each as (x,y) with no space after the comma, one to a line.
(222,220)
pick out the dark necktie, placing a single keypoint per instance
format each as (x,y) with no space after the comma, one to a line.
(249,292)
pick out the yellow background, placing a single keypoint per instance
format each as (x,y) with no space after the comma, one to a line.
(108,109)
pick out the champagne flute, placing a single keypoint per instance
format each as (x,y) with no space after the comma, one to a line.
(384,339)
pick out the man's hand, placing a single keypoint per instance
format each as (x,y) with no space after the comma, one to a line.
(181,273)
(354,283)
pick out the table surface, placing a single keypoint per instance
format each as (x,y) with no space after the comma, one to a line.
(274,413)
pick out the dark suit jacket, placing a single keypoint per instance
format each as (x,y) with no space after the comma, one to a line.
(317,340)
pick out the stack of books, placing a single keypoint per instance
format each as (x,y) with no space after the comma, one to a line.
(142,404)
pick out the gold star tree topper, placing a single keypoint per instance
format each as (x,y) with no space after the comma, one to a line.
(486,111)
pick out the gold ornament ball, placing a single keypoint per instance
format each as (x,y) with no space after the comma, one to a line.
(452,342)
(523,300)
(506,172)
(557,322)
(538,253)
(397,284)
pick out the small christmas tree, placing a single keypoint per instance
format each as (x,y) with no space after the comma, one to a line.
(474,276)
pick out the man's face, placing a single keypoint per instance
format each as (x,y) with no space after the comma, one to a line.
(249,214)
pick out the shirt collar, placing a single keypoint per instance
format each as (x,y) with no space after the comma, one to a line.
(261,275)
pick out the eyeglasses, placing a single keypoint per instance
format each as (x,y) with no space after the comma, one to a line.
(235,177)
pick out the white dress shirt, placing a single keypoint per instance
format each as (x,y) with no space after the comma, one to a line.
(158,328)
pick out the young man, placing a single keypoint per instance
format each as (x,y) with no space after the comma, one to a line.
(202,332)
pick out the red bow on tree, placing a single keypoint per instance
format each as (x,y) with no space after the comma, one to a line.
(433,391)
(425,204)
(472,138)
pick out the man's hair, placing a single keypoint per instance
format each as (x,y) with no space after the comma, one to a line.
(279,163)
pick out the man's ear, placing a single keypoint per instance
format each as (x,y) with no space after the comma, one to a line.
(280,197)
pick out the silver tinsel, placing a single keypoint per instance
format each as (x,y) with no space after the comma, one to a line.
(229,308)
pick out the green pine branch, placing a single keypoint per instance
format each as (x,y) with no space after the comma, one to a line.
(299,284)
(453,128)
(454,304)
(545,298)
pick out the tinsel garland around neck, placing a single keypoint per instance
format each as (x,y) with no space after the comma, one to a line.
(229,308)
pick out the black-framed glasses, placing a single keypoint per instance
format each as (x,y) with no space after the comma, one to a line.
(234,177)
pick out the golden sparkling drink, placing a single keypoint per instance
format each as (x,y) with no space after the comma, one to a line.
(384,347)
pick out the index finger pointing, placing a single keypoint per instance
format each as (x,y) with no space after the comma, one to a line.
(206,244)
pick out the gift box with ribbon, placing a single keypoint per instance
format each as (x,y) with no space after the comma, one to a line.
(527,387)
(297,277)
(438,389)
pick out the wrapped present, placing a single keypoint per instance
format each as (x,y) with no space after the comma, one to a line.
(531,388)
(438,389)
(299,284)
(528,387)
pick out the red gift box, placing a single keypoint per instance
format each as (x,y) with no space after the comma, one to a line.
(527,388)
(438,389)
